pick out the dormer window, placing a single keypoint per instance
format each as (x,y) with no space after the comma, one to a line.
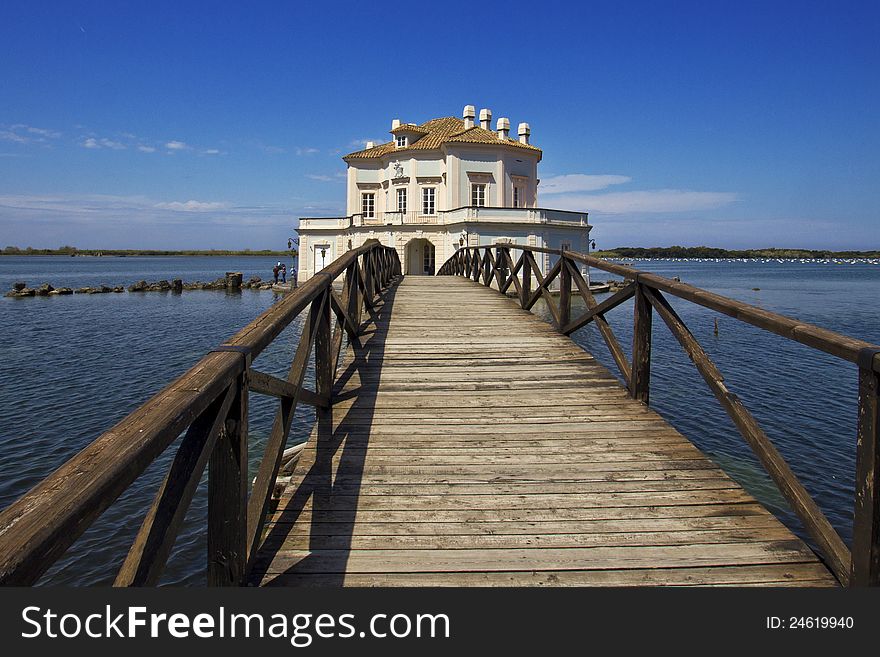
(400,141)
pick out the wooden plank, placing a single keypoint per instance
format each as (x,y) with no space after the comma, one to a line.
(548,559)
(796,574)
(266,384)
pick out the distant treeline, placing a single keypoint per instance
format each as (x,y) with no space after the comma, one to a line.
(73,251)
(713,252)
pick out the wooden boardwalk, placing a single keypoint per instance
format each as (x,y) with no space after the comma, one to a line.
(470,443)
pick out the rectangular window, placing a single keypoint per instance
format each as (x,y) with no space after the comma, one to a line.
(400,141)
(401,200)
(428,206)
(565,246)
(515,196)
(478,195)
(368,205)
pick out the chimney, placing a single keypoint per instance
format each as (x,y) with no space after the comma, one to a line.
(370,144)
(503,128)
(486,119)
(395,124)
(468,116)
(524,131)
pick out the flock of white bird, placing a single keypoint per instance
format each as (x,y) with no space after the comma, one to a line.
(819,261)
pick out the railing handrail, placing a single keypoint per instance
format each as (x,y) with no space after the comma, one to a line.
(502,207)
(857,566)
(40,526)
(831,342)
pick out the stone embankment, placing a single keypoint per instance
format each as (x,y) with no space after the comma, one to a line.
(232,281)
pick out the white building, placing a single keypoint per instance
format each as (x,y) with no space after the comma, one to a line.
(438,186)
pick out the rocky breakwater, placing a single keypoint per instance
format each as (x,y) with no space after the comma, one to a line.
(232,281)
(44,290)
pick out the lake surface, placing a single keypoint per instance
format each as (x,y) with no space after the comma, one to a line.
(72,366)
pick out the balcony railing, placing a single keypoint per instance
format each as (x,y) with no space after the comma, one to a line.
(446,217)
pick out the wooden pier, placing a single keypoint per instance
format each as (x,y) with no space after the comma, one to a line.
(460,440)
(484,448)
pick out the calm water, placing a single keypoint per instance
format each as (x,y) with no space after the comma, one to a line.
(73,366)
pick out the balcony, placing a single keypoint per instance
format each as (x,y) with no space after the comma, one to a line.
(449,217)
(514,215)
(324,223)
(395,219)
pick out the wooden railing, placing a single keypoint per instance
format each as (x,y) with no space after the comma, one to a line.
(494,265)
(210,404)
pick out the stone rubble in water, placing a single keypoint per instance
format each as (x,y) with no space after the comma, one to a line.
(232,281)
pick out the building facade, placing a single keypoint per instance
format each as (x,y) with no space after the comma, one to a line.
(438,186)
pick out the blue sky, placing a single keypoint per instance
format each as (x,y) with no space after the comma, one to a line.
(216,125)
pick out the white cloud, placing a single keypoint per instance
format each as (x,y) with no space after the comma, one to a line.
(51,134)
(336,177)
(107,221)
(102,142)
(115,145)
(9,135)
(21,133)
(645,201)
(362,143)
(192,206)
(307,151)
(146,149)
(580,182)
(176,145)
(210,151)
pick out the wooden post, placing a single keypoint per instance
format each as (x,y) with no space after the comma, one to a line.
(641,353)
(866,521)
(352,301)
(323,355)
(227,496)
(564,293)
(368,279)
(526,280)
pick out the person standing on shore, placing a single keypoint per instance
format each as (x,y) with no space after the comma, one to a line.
(275,270)
(283,273)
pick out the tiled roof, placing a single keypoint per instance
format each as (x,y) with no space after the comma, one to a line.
(409,127)
(446,130)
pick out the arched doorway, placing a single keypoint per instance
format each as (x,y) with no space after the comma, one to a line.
(420,258)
